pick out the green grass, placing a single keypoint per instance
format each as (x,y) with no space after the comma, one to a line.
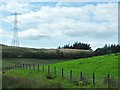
(15,61)
(100,65)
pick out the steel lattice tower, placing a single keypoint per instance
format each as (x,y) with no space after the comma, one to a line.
(15,40)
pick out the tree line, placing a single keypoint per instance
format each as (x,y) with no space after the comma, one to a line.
(77,45)
(107,49)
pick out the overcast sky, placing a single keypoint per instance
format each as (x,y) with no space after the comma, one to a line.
(53,24)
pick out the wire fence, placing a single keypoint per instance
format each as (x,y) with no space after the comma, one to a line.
(80,79)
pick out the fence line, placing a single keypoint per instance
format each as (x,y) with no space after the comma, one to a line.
(55,72)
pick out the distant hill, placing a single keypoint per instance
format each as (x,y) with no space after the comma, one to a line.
(23,52)
(2,45)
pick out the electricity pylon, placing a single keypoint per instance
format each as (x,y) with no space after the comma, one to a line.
(15,37)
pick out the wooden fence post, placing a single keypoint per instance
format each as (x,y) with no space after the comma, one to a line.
(93,78)
(55,71)
(62,72)
(48,70)
(20,66)
(70,75)
(80,76)
(38,67)
(108,80)
(23,66)
(33,66)
(43,67)
(30,66)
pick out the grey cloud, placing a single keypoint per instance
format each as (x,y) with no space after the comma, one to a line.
(38,37)
(92,34)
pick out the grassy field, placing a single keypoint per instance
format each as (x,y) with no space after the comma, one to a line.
(100,65)
(16,61)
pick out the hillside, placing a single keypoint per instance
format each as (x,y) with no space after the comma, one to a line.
(100,65)
(22,52)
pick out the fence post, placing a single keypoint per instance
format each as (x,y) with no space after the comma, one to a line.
(43,67)
(93,78)
(108,81)
(55,71)
(70,75)
(20,66)
(80,76)
(62,73)
(30,66)
(33,66)
(38,67)
(23,66)
(48,70)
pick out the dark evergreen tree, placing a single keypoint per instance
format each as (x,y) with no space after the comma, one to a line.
(108,49)
(78,45)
